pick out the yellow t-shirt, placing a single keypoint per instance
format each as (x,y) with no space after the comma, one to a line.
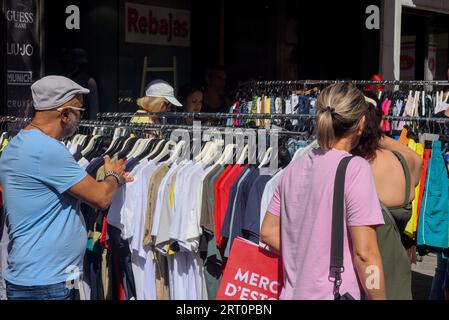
(412,225)
(145,119)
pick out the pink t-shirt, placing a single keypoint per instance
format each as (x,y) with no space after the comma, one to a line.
(303,200)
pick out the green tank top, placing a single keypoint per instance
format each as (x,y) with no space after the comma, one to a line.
(397,268)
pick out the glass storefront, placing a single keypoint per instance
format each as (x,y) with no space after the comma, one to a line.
(424,45)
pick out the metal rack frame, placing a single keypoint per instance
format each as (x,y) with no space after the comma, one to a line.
(164,126)
(203,115)
(356,82)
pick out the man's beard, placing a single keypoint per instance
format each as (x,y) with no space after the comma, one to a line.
(71,128)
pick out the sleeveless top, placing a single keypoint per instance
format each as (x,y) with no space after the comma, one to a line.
(397,268)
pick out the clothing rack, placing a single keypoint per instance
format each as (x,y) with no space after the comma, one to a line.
(122,116)
(148,127)
(203,115)
(356,82)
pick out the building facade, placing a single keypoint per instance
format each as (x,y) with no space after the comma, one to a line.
(180,39)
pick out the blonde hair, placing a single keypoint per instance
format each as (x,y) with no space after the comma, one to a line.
(340,107)
(151,104)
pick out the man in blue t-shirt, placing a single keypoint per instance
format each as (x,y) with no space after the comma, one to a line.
(42,184)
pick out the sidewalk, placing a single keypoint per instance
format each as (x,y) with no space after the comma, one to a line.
(422,276)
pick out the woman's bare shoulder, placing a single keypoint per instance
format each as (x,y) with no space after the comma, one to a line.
(385,161)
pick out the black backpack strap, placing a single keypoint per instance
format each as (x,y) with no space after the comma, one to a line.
(337,238)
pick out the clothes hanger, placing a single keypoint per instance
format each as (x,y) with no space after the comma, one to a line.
(98,149)
(115,142)
(211,153)
(149,148)
(142,147)
(168,149)
(90,145)
(74,138)
(130,154)
(266,158)
(103,146)
(195,148)
(120,143)
(79,139)
(203,152)
(176,152)
(243,155)
(228,154)
(127,147)
(159,147)
(139,147)
(85,139)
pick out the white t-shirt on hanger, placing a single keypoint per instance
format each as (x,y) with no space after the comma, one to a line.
(123,206)
(160,197)
(167,212)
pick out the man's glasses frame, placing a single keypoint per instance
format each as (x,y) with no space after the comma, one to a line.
(81,110)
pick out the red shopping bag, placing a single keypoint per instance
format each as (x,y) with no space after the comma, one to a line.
(251,273)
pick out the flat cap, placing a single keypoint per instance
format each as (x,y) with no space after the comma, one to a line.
(53,91)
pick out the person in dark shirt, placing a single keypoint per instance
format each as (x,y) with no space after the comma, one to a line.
(191,97)
(214,95)
(75,66)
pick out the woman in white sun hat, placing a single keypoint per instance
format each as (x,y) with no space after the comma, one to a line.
(159,96)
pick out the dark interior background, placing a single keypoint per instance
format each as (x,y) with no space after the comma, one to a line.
(422,24)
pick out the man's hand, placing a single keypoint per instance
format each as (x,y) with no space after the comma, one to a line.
(118,167)
(100,194)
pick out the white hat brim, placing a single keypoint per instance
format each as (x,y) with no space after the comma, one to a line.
(173,101)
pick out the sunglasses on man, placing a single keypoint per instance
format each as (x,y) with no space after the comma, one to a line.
(81,110)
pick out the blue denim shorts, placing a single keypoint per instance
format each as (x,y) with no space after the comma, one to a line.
(58,291)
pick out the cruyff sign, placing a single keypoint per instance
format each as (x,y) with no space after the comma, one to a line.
(157,25)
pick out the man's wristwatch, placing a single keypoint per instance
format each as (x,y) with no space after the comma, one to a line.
(115,175)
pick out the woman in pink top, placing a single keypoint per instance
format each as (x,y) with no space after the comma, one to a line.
(299,220)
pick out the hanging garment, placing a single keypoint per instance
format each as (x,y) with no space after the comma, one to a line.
(213,264)
(399,106)
(412,225)
(279,105)
(184,227)
(267,195)
(251,218)
(258,109)
(409,228)
(163,215)
(386,110)
(403,137)
(221,193)
(121,250)
(422,181)
(232,225)
(186,276)
(207,213)
(142,255)
(434,218)
(410,105)
(155,181)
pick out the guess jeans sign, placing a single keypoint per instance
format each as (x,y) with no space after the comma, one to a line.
(157,25)
(23,54)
